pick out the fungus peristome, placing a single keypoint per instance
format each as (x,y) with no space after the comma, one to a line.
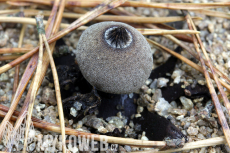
(114,57)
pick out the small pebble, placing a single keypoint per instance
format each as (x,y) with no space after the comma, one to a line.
(187,103)
(163,107)
(48,96)
(162,82)
(4,77)
(192,131)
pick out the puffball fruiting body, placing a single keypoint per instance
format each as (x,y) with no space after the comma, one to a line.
(114,57)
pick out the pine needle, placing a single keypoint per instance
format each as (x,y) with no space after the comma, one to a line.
(21,87)
(165,32)
(213,13)
(17,68)
(93,3)
(35,85)
(27,20)
(212,91)
(115,140)
(192,145)
(57,89)
(125,19)
(14,50)
(9,57)
(187,61)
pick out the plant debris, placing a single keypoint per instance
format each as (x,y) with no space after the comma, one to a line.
(174,105)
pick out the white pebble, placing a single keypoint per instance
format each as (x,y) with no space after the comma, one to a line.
(162,82)
(187,103)
(162,107)
(73,111)
(4,77)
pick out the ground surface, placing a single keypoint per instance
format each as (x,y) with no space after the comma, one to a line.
(185,112)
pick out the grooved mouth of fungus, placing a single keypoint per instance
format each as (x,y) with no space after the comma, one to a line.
(118,37)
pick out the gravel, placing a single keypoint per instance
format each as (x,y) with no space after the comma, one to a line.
(194,117)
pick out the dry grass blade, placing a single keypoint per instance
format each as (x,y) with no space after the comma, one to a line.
(108,17)
(143,31)
(16,80)
(14,50)
(17,68)
(9,57)
(18,3)
(9,11)
(116,140)
(165,32)
(187,61)
(35,85)
(30,21)
(213,13)
(192,145)
(130,19)
(175,6)
(104,7)
(212,91)
(57,91)
(57,88)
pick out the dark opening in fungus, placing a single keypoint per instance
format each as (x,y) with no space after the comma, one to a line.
(118,37)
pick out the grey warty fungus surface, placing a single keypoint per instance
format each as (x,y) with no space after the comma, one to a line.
(114,57)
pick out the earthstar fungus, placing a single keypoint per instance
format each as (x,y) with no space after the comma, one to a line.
(114,57)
